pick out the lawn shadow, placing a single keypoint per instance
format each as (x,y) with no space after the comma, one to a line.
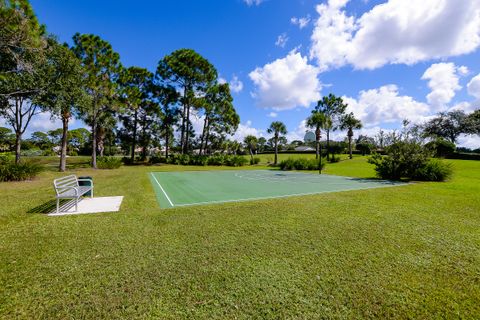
(377,180)
(51,206)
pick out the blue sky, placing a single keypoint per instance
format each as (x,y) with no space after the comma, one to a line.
(390,59)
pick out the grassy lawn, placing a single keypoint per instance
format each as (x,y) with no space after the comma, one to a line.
(407,252)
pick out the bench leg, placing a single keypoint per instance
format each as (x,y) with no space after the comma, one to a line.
(76,204)
(91,194)
(58,205)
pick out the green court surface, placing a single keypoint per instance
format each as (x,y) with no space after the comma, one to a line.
(187,188)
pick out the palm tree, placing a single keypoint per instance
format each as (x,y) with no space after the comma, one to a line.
(333,107)
(277,128)
(349,122)
(251,142)
(317,121)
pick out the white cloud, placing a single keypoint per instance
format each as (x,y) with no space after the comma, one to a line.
(397,32)
(473,87)
(246,129)
(44,122)
(222,80)
(253,2)
(332,36)
(273,114)
(472,142)
(463,70)
(236,85)
(282,40)
(298,133)
(444,82)
(465,106)
(286,83)
(301,22)
(385,105)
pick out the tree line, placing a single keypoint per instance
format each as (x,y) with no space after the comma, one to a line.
(88,81)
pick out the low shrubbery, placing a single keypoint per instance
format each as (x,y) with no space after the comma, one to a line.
(255,160)
(197,160)
(301,164)
(410,160)
(441,147)
(25,170)
(108,163)
(408,157)
(434,170)
(334,159)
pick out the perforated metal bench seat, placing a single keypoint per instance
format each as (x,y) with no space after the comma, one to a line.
(69,188)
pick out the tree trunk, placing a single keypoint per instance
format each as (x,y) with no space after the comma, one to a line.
(101,140)
(328,144)
(18,146)
(207,138)
(187,134)
(94,143)
(167,142)
(182,136)
(134,135)
(145,141)
(63,151)
(317,139)
(350,135)
(320,160)
(276,150)
(203,135)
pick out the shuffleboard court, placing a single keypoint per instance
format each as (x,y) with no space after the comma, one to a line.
(188,188)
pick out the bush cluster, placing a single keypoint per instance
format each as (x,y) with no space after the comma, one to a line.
(109,163)
(301,164)
(197,160)
(441,147)
(25,170)
(434,170)
(410,160)
(334,159)
(254,161)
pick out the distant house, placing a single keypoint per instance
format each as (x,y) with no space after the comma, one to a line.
(304,148)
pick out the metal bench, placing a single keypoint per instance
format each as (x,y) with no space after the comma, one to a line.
(69,188)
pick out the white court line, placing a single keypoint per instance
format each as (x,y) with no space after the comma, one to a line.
(285,196)
(166,195)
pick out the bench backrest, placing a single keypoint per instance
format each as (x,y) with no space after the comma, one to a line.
(64,183)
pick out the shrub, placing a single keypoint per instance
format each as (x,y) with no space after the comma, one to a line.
(198,160)
(434,170)
(109,163)
(410,160)
(364,148)
(288,164)
(26,170)
(33,153)
(334,159)
(441,147)
(301,164)
(126,161)
(216,160)
(255,160)
(157,159)
(403,159)
(235,161)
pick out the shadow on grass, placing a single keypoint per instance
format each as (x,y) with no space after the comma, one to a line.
(51,206)
(377,180)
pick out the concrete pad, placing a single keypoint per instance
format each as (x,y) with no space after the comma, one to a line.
(90,205)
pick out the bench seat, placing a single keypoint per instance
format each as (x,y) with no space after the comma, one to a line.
(69,188)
